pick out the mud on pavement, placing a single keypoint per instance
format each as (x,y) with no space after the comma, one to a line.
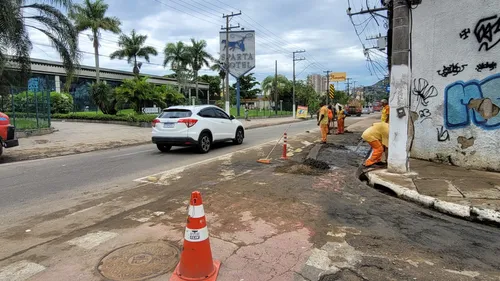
(283,221)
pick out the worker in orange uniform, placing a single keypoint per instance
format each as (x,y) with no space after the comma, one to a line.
(330,119)
(378,138)
(385,111)
(323,122)
(340,120)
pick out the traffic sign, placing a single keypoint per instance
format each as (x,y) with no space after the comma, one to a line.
(332,91)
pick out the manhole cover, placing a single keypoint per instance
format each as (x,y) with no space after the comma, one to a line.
(139,261)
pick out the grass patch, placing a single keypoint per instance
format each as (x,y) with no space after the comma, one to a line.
(121,116)
(29,124)
(253,113)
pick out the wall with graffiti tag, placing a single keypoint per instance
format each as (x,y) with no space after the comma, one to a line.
(455,84)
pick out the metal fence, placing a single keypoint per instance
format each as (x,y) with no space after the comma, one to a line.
(26,109)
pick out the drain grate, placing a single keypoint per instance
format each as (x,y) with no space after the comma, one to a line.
(139,261)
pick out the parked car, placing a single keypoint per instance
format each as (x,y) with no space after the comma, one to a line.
(366,110)
(198,126)
(7,133)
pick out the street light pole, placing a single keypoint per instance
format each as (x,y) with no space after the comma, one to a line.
(293,95)
(228,28)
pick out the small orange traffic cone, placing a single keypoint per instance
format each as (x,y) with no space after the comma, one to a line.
(196,262)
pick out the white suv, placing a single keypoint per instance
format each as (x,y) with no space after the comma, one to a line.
(198,126)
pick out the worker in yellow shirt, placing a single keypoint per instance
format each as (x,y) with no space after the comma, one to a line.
(378,137)
(323,121)
(385,111)
(340,120)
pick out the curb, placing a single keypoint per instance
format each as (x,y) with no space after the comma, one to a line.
(148,124)
(274,124)
(471,213)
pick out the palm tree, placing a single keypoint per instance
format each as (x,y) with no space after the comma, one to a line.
(198,57)
(217,67)
(91,15)
(176,55)
(18,17)
(270,82)
(133,47)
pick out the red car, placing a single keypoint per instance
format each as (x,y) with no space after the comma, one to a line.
(7,133)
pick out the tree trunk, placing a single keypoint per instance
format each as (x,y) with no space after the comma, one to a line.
(96,53)
(196,82)
(223,88)
(135,70)
(178,82)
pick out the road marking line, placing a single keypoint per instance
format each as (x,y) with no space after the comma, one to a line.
(92,240)
(131,153)
(20,271)
(165,174)
(226,156)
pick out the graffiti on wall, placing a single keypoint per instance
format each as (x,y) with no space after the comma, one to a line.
(453,68)
(486,32)
(464,34)
(424,91)
(473,101)
(486,65)
(442,134)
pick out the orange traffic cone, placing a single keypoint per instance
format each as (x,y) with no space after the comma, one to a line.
(196,258)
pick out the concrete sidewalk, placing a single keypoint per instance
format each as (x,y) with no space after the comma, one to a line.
(78,137)
(469,194)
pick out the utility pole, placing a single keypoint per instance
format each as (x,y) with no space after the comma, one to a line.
(400,90)
(275,87)
(348,84)
(228,28)
(293,95)
(354,87)
(327,85)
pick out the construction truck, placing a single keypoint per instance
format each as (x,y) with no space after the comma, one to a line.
(7,133)
(354,107)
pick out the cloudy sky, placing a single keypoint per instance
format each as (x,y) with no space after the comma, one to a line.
(321,27)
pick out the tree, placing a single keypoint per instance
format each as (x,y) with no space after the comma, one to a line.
(44,16)
(283,85)
(305,93)
(139,93)
(217,67)
(198,57)
(172,97)
(340,97)
(133,47)
(103,96)
(213,83)
(177,56)
(91,15)
(247,86)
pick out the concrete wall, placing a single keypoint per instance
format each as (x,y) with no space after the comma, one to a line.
(455,89)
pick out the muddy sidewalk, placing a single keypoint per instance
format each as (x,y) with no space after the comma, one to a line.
(283,221)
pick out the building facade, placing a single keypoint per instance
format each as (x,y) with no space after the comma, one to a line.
(455,82)
(318,82)
(51,76)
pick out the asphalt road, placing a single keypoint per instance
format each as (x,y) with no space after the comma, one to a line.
(30,183)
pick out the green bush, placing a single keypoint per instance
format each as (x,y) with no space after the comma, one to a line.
(106,117)
(104,96)
(61,102)
(139,93)
(29,102)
